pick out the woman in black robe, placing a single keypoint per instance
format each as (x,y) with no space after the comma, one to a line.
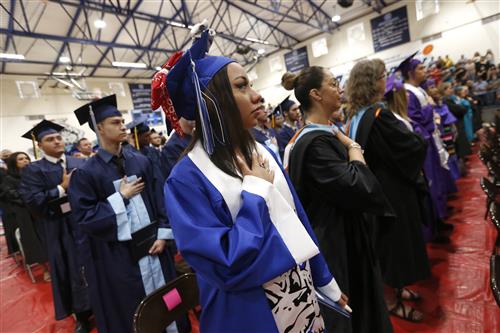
(396,156)
(34,250)
(341,197)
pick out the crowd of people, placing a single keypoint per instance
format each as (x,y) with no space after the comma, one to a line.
(331,196)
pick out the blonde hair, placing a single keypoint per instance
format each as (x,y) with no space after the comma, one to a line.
(397,101)
(361,90)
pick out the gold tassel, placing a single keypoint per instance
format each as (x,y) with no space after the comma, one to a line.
(136,138)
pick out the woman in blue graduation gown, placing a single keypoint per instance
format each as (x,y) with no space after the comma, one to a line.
(241,228)
(42,182)
(109,210)
(395,155)
(341,197)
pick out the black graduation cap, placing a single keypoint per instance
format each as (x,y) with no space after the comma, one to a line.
(101,109)
(42,129)
(408,64)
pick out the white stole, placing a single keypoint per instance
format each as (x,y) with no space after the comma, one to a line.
(280,203)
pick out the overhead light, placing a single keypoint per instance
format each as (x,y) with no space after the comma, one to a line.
(12,56)
(65,74)
(64,59)
(176,24)
(261,51)
(255,40)
(129,64)
(66,83)
(157,68)
(336,18)
(99,24)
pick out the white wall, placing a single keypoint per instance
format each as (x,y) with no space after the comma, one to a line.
(54,103)
(458,20)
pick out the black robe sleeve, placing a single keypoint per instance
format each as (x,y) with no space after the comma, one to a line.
(399,150)
(350,185)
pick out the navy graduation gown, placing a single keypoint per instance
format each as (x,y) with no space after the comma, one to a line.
(154,156)
(284,136)
(270,140)
(39,186)
(115,280)
(172,151)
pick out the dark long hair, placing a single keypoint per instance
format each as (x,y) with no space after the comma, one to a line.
(11,162)
(237,137)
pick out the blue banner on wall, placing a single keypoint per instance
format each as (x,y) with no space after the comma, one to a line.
(390,29)
(141,99)
(296,60)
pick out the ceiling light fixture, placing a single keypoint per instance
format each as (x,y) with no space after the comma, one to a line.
(336,18)
(255,40)
(99,24)
(261,51)
(11,56)
(176,24)
(129,64)
(157,68)
(64,59)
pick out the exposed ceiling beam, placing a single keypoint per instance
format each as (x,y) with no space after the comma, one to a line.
(81,40)
(115,38)
(74,19)
(10,28)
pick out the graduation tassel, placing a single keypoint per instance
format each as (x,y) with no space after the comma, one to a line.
(94,124)
(206,127)
(136,137)
(34,145)
(272,121)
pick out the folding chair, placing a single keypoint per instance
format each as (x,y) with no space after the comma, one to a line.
(166,305)
(27,267)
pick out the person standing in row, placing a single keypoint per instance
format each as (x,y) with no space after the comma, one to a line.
(44,187)
(176,144)
(291,112)
(341,197)
(396,156)
(236,218)
(117,204)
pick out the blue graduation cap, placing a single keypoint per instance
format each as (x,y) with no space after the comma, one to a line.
(285,105)
(188,80)
(96,111)
(40,130)
(139,125)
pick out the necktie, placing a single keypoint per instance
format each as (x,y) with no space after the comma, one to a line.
(119,163)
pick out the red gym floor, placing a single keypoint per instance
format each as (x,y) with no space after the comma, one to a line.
(457,299)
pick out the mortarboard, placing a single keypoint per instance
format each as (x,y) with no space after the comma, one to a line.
(96,111)
(138,127)
(393,83)
(408,65)
(285,105)
(187,82)
(427,84)
(40,130)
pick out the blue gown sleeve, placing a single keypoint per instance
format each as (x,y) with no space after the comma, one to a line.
(238,256)
(94,216)
(33,191)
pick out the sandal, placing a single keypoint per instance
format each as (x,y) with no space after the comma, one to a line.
(413,295)
(399,311)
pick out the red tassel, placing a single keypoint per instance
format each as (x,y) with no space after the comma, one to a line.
(160,95)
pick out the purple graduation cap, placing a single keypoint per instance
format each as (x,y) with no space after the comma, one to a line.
(187,82)
(393,84)
(408,65)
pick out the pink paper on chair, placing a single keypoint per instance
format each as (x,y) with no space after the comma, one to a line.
(172,299)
